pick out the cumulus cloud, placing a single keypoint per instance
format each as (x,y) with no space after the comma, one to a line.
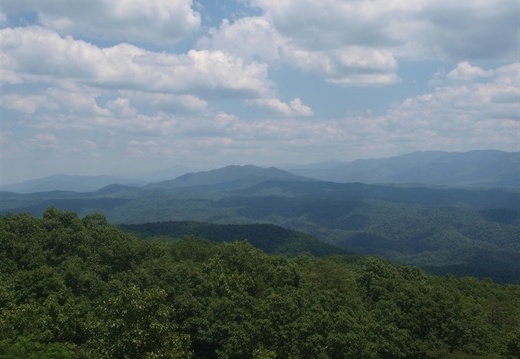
(171,103)
(467,29)
(35,53)
(454,116)
(463,29)
(361,42)
(44,141)
(150,21)
(276,106)
(343,64)
(352,66)
(27,104)
(248,37)
(65,98)
(322,25)
(467,72)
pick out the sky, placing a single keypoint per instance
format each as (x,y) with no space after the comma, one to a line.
(122,87)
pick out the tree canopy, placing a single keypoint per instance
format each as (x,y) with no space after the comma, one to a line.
(81,288)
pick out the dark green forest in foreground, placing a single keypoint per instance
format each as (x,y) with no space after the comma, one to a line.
(76,287)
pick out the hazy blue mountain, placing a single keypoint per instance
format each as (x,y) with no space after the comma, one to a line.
(116,189)
(67,183)
(227,177)
(486,168)
(166,173)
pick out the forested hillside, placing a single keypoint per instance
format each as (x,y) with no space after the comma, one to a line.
(81,288)
(441,229)
(267,237)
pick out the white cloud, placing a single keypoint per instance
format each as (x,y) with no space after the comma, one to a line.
(44,141)
(353,66)
(65,97)
(298,107)
(27,104)
(455,116)
(151,21)
(167,102)
(249,37)
(328,24)
(37,54)
(467,72)
(276,106)
(256,37)
(121,108)
(426,29)
(76,99)
(469,30)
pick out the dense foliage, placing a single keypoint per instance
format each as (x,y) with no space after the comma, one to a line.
(80,287)
(267,237)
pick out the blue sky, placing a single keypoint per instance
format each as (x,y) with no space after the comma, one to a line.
(123,87)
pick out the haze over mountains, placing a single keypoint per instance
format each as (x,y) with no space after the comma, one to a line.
(487,168)
(475,169)
(71,183)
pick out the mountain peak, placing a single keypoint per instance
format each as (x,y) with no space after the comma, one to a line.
(231,176)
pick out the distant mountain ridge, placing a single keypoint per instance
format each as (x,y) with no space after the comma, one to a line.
(72,183)
(484,168)
(233,176)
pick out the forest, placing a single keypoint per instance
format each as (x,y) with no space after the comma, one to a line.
(462,231)
(78,287)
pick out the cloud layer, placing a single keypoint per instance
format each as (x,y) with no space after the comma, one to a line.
(156,21)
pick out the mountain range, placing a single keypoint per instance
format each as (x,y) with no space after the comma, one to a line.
(487,168)
(61,182)
(229,177)
(470,230)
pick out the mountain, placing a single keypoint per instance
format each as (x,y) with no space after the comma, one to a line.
(230,177)
(486,168)
(116,188)
(165,174)
(67,183)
